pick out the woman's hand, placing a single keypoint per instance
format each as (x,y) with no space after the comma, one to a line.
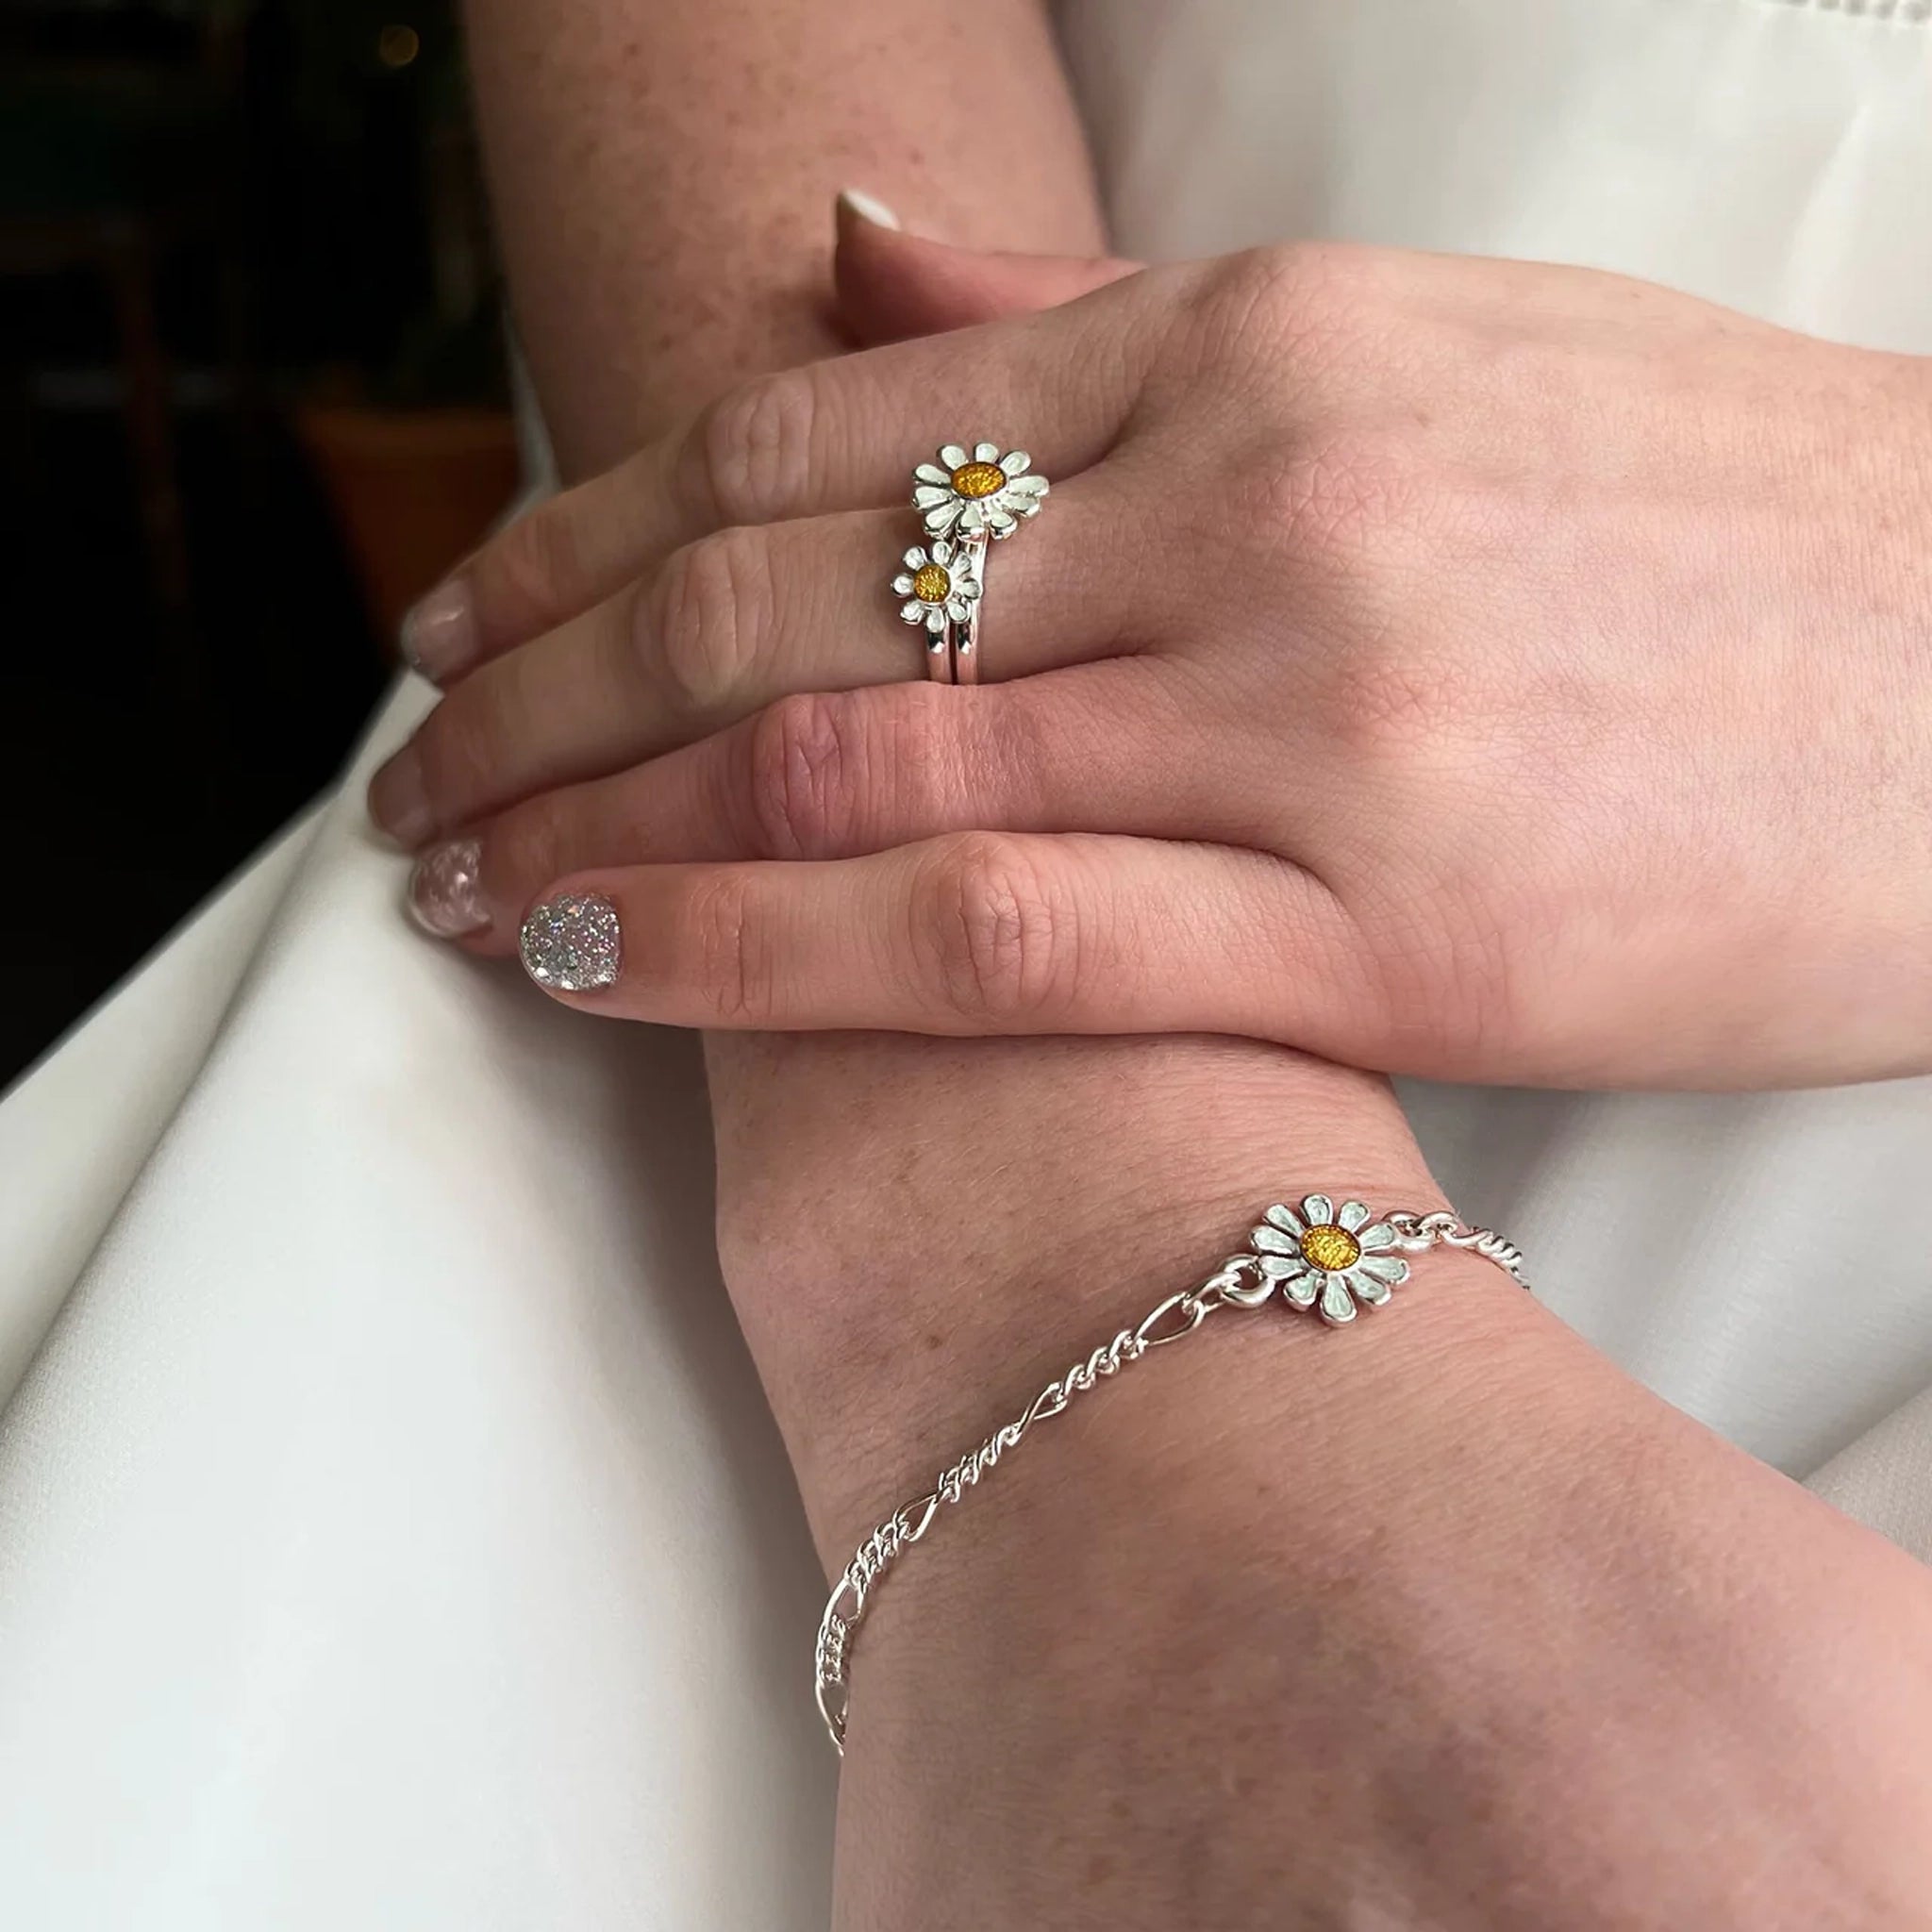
(1436,1620)
(1460,667)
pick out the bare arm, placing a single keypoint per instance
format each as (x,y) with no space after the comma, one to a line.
(663,175)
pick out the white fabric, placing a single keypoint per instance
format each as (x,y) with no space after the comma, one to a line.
(78,1129)
(391,1533)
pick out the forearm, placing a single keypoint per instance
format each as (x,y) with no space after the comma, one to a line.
(1435,1620)
(920,1231)
(663,172)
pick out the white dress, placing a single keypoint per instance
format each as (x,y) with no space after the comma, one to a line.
(391,1534)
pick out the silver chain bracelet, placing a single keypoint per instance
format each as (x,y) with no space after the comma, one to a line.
(1330,1261)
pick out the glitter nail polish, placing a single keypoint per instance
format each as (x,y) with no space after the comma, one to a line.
(446,891)
(574,944)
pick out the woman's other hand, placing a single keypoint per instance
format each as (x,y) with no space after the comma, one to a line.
(1466,668)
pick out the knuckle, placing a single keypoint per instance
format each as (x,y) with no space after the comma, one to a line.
(752,447)
(535,562)
(460,755)
(804,785)
(535,843)
(704,623)
(1290,297)
(728,960)
(995,948)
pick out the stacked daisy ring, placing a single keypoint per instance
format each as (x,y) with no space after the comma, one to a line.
(967,502)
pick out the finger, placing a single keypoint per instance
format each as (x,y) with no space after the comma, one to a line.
(838,435)
(891,285)
(980,933)
(1103,748)
(749,615)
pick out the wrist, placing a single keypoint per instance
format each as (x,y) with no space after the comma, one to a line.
(950,1224)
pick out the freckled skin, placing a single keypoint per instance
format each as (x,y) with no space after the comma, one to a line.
(665,198)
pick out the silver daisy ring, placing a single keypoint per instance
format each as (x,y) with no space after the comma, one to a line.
(979,494)
(968,500)
(940,588)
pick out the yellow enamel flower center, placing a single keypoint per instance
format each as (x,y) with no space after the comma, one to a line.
(1333,1248)
(976,480)
(932,584)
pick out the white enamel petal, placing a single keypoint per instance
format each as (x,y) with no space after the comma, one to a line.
(1016,462)
(967,587)
(1366,1288)
(954,456)
(999,517)
(1319,1211)
(1373,1239)
(971,519)
(1390,1268)
(902,587)
(1352,1215)
(1287,1219)
(916,557)
(985,452)
(927,494)
(1282,1267)
(1301,1292)
(1027,486)
(931,472)
(935,621)
(958,609)
(1270,1240)
(942,552)
(913,611)
(1338,1305)
(943,516)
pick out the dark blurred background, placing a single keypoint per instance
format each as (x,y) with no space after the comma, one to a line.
(252,402)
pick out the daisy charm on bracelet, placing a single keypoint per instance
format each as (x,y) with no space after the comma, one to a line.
(1336,1260)
(1329,1259)
(980,494)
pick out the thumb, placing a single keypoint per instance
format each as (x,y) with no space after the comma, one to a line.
(890,285)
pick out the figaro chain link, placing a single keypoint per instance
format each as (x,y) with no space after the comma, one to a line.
(1323,1259)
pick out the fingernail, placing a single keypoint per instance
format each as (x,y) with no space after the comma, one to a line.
(868,208)
(399,800)
(446,891)
(439,632)
(573,944)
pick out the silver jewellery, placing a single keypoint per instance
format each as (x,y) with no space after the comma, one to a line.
(940,587)
(1331,1261)
(967,502)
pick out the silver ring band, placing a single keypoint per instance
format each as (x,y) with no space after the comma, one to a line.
(962,638)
